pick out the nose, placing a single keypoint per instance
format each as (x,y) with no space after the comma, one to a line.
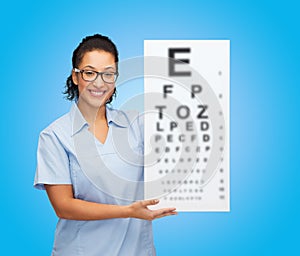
(98,82)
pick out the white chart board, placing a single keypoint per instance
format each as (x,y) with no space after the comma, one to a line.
(187,123)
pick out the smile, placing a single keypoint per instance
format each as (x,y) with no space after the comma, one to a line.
(96,93)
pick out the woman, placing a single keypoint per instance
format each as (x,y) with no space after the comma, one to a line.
(94,219)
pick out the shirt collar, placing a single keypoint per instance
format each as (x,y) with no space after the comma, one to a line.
(117,117)
(77,119)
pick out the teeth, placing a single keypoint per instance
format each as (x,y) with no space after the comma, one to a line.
(97,93)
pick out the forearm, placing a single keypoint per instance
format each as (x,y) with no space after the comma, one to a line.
(76,209)
(68,207)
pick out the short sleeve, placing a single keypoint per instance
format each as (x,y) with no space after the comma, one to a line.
(52,162)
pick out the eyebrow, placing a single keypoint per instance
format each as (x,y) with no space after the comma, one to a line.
(110,67)
(89,66)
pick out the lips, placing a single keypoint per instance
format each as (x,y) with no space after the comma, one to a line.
(96,93)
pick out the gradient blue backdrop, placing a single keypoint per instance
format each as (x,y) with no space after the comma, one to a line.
(37,40)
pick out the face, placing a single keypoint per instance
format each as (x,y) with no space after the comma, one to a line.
(95,94)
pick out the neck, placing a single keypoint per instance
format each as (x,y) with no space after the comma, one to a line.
(92,114)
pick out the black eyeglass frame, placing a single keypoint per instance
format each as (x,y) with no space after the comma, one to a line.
(116,74)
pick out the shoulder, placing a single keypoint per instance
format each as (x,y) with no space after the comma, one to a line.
(57,136)
(60,128)
(133,121)
(126,118)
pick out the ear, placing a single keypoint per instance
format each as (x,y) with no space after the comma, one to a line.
(74,77)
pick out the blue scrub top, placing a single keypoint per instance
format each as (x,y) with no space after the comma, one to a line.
(109,173)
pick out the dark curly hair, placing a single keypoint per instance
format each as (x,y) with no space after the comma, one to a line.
(89,43)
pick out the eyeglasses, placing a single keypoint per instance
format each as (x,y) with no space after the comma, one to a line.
(91,75)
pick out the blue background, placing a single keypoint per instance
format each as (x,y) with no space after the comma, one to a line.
(37,40)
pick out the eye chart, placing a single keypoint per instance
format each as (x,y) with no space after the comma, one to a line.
(186,113)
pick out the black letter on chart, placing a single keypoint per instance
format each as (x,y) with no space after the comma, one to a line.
(202,110)
(173,61)
(166,86)
(160,108)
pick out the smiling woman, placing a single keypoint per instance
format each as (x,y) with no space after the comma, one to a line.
(90,217)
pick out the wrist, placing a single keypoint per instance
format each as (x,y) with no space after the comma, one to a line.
(127,211)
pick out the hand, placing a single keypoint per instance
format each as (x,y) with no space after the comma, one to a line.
(140,210)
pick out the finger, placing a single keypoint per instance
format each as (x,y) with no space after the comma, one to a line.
(150,202)
(163,211)
(166,214)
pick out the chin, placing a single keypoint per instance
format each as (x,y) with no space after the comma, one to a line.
(99,103)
